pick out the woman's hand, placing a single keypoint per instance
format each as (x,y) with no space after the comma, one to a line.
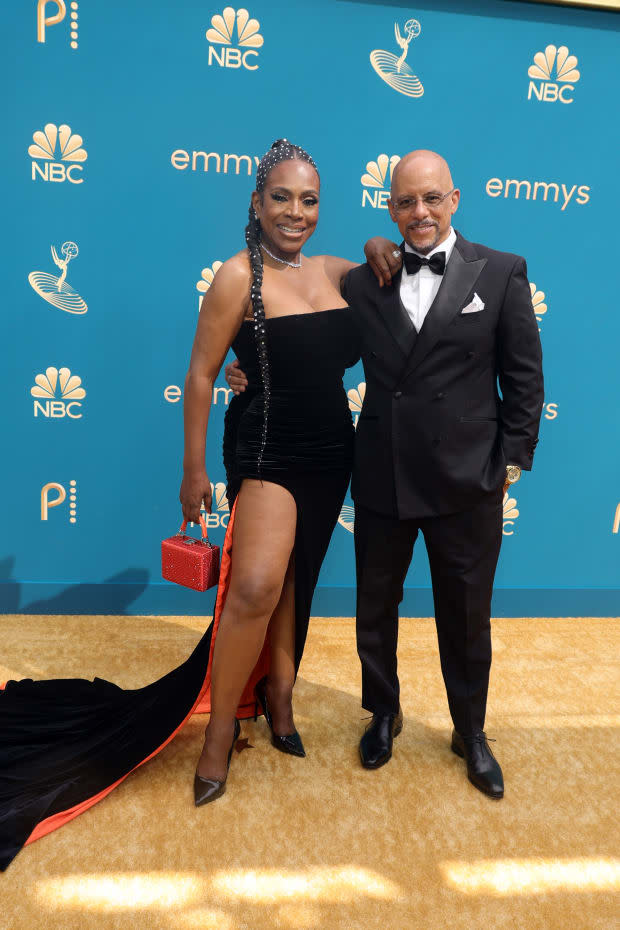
(235,377)
(195,488)
(384,257)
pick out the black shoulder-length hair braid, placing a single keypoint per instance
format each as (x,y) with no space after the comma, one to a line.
(281,150)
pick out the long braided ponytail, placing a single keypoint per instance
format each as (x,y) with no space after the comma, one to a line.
(281,150)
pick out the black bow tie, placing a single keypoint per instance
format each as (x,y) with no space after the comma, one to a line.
(437,262)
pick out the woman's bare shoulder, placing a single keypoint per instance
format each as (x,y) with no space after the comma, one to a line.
(335,268)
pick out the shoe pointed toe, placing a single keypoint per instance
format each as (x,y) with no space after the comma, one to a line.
(483,769)
(291,743)
(207,789)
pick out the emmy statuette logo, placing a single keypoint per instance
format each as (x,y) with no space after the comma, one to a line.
(510,514)
(378,177)
(347,517)
(69,148)
(206,280)
(393,69)
(59,394)
(221,37)
(553,63)
(356,399)
(58,13)
(54,288)
(60,495)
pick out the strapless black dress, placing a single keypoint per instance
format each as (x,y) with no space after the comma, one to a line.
(65,744)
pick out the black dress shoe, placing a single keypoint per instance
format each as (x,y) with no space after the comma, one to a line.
(376,743)
(208,789)
(290,743)
(483,769)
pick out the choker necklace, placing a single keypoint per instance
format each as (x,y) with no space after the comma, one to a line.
(281,260)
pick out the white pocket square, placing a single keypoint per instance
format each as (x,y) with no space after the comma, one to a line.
(475,306)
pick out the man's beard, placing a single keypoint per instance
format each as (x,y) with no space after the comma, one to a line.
(424,250)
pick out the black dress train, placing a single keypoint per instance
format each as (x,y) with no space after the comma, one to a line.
(65,744)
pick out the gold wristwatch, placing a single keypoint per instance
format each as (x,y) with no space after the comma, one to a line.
(513,473)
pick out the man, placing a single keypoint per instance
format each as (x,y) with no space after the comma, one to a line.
(436,446)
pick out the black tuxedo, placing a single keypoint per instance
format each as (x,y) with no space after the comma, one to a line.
(433,439)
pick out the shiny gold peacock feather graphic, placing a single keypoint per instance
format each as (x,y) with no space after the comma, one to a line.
(376,174)
(46,385)
(206,280)
(394,70)
(54,289)
(347,517)
(70,144)
(538,297)
(510,511)
(223,27)
(558,58)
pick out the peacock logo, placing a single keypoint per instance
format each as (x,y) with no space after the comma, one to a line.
(221,38)
(394,70)
(538,297)
(220,512)
(356,399)
(57,394)
(554,75)
(206,280)
(55,145)
(510,514)
(377,180)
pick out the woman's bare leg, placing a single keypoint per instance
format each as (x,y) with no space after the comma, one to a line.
(263,539)
(279,686)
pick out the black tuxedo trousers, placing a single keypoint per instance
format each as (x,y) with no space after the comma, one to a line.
(445,411)
(463,549)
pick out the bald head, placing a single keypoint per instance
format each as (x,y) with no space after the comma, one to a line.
(423,164)
(423,199)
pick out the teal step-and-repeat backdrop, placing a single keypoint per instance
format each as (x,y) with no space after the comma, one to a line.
(131,139)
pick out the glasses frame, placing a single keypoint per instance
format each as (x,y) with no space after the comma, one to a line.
(398,209)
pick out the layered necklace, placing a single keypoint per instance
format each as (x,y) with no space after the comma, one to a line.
(282,261)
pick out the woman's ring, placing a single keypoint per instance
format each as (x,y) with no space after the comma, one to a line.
(396,253)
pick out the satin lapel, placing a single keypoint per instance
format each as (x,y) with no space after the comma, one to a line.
(458,280)
(389,309)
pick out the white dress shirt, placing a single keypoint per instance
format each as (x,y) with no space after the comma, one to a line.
(418,291)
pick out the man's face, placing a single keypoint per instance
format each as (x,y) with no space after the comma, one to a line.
(418,204)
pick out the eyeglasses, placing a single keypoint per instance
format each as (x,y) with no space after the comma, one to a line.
(432,201)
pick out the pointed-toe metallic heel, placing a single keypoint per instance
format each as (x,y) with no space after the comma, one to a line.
(291,743)
(209,789)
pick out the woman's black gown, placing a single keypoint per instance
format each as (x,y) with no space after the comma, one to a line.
(65,744)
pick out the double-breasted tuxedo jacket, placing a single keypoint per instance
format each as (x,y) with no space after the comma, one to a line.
(445,411)
(434,433)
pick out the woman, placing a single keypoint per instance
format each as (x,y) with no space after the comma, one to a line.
(65,744)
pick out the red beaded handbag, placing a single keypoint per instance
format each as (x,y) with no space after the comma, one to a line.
(192,562)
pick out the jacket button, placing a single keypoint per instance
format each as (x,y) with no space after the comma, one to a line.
(435,442)
(440,396)
(470,354)
(398,394)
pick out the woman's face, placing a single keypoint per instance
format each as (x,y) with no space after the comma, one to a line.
(288,208)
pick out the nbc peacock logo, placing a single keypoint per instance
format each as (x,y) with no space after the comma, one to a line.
(510,514)
(57,394)
(377,180)
(221,39)
(553,75)
(220,511)
(54,288)
(206,280)
(538,302)
(356,397)
(393,69)
(55,146)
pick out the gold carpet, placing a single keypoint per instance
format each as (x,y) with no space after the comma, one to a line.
(321,843)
